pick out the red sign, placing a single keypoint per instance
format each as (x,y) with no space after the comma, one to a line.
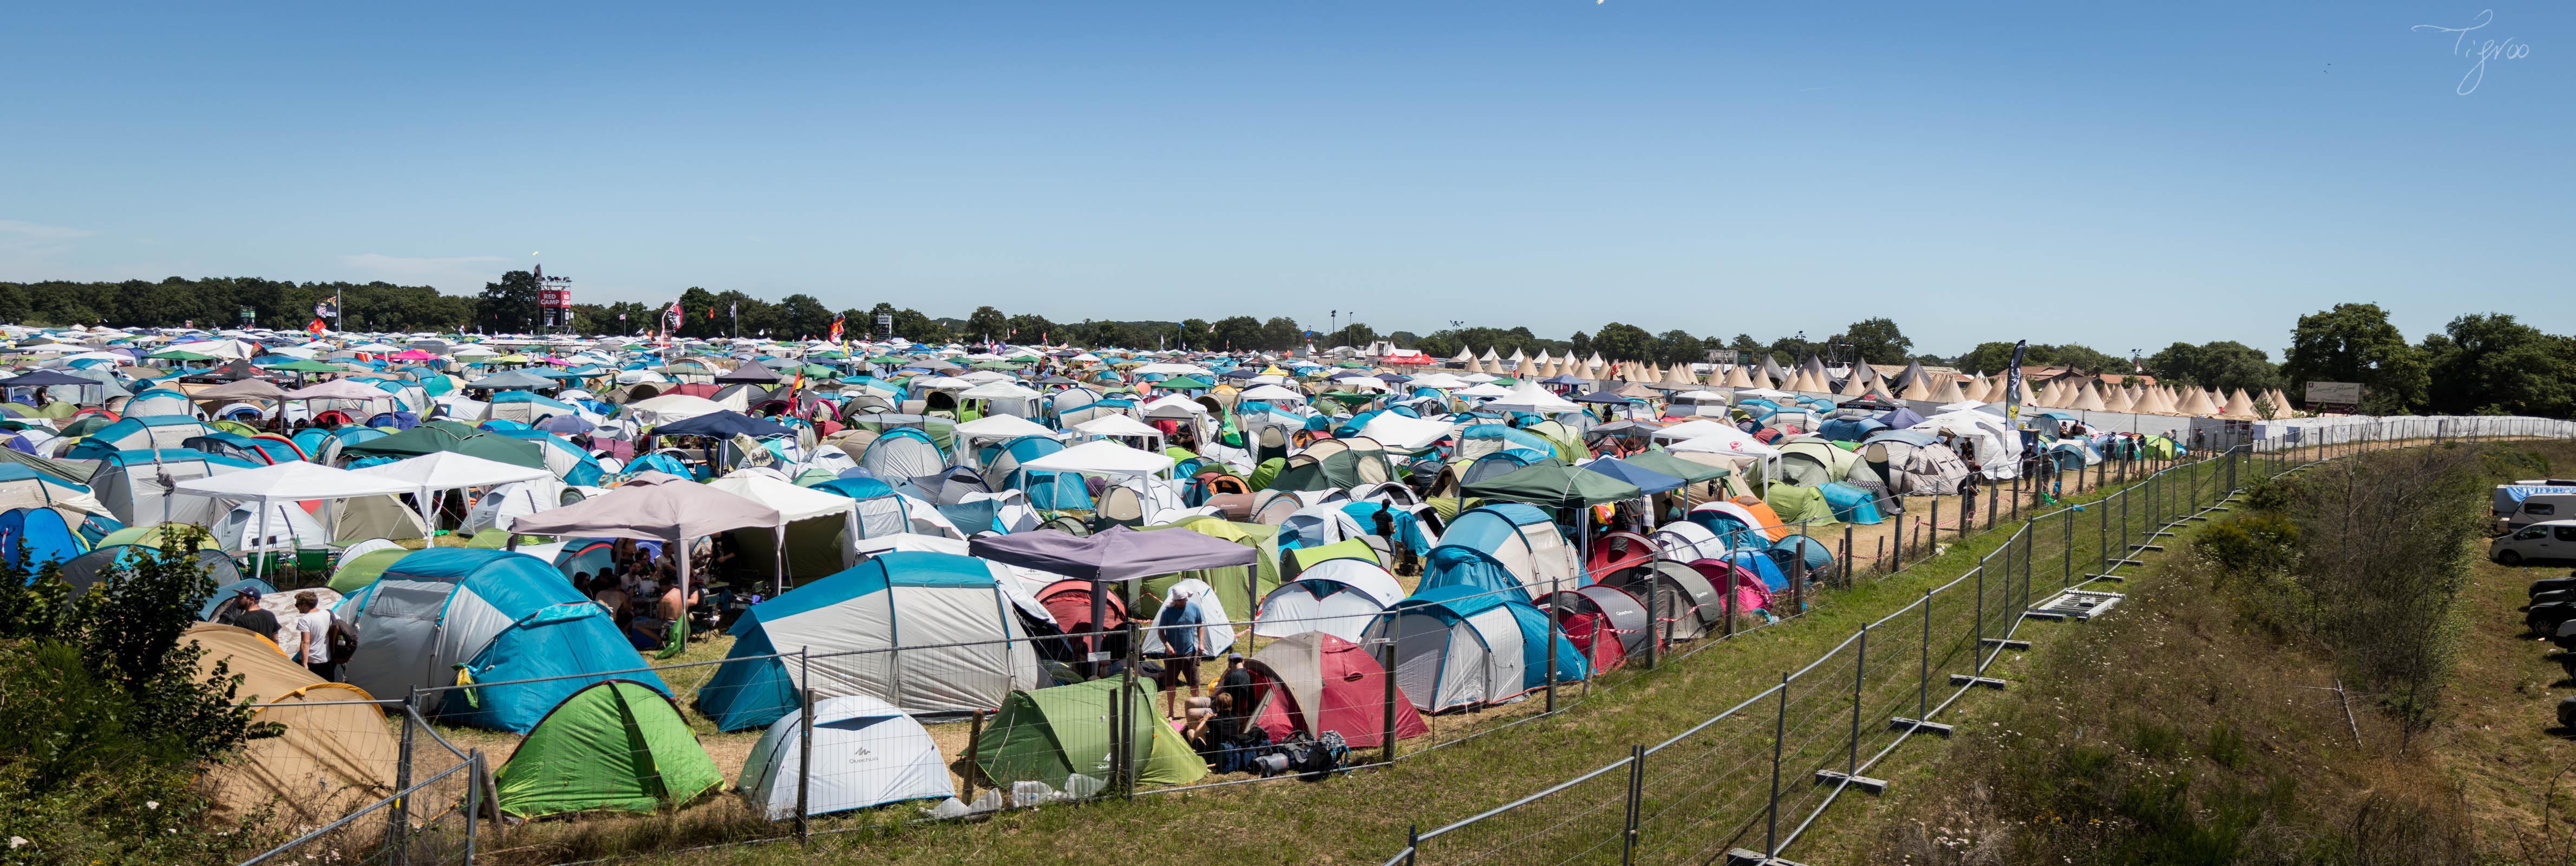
(554,297)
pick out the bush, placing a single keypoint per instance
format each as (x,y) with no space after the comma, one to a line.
(104,725)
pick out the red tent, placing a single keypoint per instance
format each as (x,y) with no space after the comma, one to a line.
(1315,682)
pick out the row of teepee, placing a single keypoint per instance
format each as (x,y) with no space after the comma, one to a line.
(2090,395)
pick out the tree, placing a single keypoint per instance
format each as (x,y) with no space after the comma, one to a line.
(2356,343)
(2491,364)
(2223,364)
(1677,346)
(1619,341)
(1877,341)
(508,306)
(802,317)
(987,324)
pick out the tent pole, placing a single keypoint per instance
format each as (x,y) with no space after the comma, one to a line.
(258,563)
(681,622)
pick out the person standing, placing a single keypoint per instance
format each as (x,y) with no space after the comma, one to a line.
(1178,624)
(313,627)
(244,611)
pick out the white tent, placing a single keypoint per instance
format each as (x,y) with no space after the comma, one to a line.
(438,472)
(866,753)
(668,408)
(1404,433)
(1532,398)
(1119,427)
(1101,457)
(1339,597)
(1216,628)
(1271,393)
(809,515)
(285,483)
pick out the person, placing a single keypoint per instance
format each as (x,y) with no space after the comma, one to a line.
(648,631)
(41,398)
(1211,731)
(313,626)
(611,596)
(1179,625)
(673,607)
(244,611)
(1968,499)
(1236,683)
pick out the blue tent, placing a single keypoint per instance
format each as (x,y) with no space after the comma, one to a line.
(1408,528)
(1760,564)
(150,431)
(1900,418)
(1851,502)
(455,616)
(33,537)
(1849,429)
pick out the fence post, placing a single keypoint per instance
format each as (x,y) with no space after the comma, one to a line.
(1126,774)
(1899,563)
(1729,602)
(1386,727)
(1636,793)
(473,798)
(2102,537)
(1935,546)
(397,817)
(805,739)
(1550,650)
(2066,564)
(1923,690)
(2028,541)
(974,743)
(1779,734)
(1412,842)
(1847,552)
(1860,672)
(1978,651)
(1654,625)
(1991,488)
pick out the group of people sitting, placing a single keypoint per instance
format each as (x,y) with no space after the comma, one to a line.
(642,591)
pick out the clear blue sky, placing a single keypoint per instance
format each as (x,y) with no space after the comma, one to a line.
(2122,175)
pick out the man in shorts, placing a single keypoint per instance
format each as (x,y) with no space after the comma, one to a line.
(1178,624)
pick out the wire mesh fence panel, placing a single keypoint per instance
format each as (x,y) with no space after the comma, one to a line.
(1708,789)
(1581,820)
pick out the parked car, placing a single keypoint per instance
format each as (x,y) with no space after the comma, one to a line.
(2555,539)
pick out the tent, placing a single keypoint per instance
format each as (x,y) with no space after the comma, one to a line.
(31,538)
(614,745)
(355,572)
(866,752)
(1052,736)
(1316,682)
(1458,647)
(453,616)
(956,623)
(811,545)
(1523,540)
(1338,597)
(329,757)
(140,491)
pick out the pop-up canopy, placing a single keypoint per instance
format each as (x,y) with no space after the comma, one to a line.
(674,512)
(288,482)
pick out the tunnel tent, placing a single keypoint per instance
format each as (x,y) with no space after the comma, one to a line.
(614,745)
(1459,647)
(866,753)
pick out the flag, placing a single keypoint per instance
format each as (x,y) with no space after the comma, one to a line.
(711,312)
(316,327)
(836,328)
(621,317)
(323,310)
(2012,384)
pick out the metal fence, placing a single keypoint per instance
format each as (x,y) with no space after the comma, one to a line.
(1747,783)
(801,749)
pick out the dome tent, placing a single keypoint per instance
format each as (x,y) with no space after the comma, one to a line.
(1458,647)
(884,757)
(612,745)
(492,615)
(1061,737)
(1316,682)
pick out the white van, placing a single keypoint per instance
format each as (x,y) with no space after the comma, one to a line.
(2554,539)
(2536,508)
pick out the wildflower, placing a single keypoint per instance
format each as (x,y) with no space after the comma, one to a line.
(18,841)
(151,804)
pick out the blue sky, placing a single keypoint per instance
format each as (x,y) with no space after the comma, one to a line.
(2122,175)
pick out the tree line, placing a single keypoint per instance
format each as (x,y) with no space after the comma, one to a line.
(2483,363)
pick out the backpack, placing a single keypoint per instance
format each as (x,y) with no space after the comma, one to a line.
(344,641)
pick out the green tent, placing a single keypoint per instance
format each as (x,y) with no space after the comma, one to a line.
(1795,504)
(436,436)
(305,367)
(1231,587)
(354,574)
(1553,485)
(1686,470)
(1049,735)
(1265,473)
(1296,561)
(616,744)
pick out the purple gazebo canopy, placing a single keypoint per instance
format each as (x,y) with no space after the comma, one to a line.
(1115,554)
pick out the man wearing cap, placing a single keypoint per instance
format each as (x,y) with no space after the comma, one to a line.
(244,611)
